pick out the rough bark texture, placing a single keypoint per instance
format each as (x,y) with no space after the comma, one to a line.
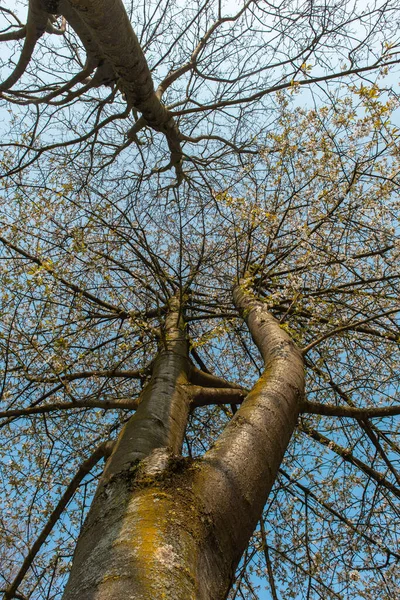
(140,540)
(163,526)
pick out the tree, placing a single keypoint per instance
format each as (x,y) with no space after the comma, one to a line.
(173,261)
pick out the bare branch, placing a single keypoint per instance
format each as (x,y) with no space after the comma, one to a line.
(102,451)
(129,404)
(48,267)
(348,456)
(128,374)
(347,327)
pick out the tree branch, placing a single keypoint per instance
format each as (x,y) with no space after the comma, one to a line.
(102,451)
(238,472)
(205,379)
(46,408)
(348,456)
(346,328)
(109,24)
(35,27)
(307,491)
(48,267)
(13,35)
(330,410)
(205,396)
(128,374)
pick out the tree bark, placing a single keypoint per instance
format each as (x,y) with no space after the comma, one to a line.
(238,472)
(164,526)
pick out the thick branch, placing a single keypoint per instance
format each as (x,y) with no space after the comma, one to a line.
(202,378)
(95,58)
(109,24)
(35,27)
(50,28)
(205,396)
(330,410)
(18,34)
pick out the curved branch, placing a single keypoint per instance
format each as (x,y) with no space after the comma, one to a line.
(109,26)
(82,76)
(237,474)
(284,86)
(56,30)
(174,75)
(35,27)
(203,378)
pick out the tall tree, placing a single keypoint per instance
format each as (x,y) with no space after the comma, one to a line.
(174,259)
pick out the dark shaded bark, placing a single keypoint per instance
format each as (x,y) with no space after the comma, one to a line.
(164,526)
(202,396)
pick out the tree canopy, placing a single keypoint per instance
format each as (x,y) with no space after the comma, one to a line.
(171,150)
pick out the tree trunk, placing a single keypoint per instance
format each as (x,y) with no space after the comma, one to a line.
(165,526)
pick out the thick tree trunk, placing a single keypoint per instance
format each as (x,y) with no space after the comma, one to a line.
(164,526)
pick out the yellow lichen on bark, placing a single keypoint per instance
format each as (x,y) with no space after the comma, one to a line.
(161,557)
